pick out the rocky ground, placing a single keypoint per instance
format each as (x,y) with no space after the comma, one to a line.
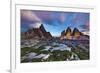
(46,51)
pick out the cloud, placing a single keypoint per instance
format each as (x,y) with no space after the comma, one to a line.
(85,26)
(29,15)
(74,18)
(62,18)
(46,17)
(29,18)
(79,19)
(50,18)
(35,25)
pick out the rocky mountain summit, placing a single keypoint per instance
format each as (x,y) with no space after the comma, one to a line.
(36,33)
(73,35)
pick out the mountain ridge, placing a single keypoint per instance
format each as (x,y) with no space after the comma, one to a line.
(36,33)
(73,35)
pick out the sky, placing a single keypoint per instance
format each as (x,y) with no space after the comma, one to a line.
(54,22)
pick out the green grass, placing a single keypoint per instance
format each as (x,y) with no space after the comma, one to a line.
(36,60)
(83,55)
(56,55)
(24,61)
(25,50)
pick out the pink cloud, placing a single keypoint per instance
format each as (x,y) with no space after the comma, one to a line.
(29,15)
(32,17)
(62,18)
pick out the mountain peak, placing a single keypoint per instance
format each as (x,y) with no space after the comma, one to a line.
(75,31)
(68,30)
(42,28)
(69,34)
(38,33)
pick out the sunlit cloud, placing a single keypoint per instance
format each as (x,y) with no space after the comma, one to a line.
(62,18)
(30,18)
(35,25)
(29,15)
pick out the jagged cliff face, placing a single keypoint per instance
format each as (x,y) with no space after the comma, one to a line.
(62,35)
(76,33)
(68,34)
(36,33)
